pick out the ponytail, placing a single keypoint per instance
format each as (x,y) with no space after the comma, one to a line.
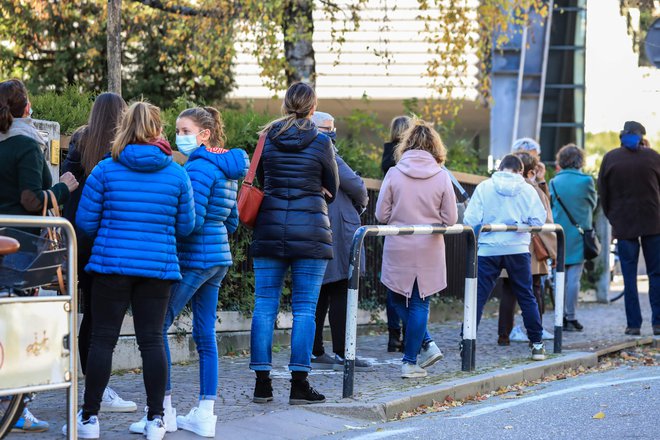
(13,100)
(299,103)
(207,118)
(5,118)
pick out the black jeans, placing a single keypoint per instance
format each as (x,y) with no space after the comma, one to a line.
(333,295)
(85,298)
(148,298)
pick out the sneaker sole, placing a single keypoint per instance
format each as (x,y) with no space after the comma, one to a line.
(429,362)
(30,431)
(200,432)
(538,357)
(119,409)
(262,399)
(414,375)
(304,402)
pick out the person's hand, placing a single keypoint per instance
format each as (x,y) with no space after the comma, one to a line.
(540,172)
(69,180)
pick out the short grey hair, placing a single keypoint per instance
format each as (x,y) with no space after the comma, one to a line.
(319,117)
(525,145)
(570,157)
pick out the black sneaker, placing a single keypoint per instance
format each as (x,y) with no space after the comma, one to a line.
(573,326)
(633,331)
(361,366)
(303,394)
(324,362)
(263,391)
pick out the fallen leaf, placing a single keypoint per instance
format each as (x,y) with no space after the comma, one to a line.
(599,415)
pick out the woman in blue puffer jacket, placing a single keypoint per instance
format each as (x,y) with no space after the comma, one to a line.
(204,255)
(133,206)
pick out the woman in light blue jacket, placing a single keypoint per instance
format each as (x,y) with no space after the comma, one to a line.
(578,194)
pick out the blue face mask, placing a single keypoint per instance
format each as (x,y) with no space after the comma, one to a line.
(186,143)
(631,141)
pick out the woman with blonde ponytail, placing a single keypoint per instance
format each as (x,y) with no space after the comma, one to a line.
(299,176)
(204,256)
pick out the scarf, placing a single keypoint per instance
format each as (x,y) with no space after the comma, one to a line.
(24,127)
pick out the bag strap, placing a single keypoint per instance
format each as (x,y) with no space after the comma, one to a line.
(53,201)
(256,158)
(570,217)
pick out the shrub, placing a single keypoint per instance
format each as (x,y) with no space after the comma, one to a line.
(70,108)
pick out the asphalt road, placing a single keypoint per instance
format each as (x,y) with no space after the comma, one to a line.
(628,398)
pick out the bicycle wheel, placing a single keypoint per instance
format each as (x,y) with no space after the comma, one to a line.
(11,408)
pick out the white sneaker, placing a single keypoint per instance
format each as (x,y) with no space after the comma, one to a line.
(547,336)
(518,335)
(169,419)
(111,402)
(86,429)
(155,429)
(429,355)
(412,371)
(198,421)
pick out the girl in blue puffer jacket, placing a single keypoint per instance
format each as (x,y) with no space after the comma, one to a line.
(133,206)
(204,255)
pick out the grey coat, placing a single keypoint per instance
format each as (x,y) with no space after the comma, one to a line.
(345,220)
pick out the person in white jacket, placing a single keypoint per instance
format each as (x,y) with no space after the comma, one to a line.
(507,199)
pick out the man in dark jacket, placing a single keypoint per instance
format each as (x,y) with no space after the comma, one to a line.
(629,188)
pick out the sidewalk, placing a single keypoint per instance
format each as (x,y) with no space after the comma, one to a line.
(604,326)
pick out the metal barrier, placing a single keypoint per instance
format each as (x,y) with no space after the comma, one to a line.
(560,276)
(354,285)
(43,363)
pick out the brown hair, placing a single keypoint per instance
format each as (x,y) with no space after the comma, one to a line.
(299,102)
(570,156)
(207,118)
(96,137)
(421,136)
(140,123)
(13,100)
(511,162)
(398,126)
(529,162)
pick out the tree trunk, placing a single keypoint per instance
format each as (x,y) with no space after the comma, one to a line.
(298,42)
(114,46)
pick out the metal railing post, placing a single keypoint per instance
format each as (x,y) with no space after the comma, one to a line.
(469,342)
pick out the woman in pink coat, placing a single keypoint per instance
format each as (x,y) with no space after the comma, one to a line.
(416,191)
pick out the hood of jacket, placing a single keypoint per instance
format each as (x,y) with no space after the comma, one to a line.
(294,138)
(508,184)
(23,127)
(418,164)
(233,163)
(144,158)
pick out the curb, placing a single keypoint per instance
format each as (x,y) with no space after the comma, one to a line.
(388,407)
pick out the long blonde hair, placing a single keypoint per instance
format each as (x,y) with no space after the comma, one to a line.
(299,103)
(398,126)
(421,136)
(140,123)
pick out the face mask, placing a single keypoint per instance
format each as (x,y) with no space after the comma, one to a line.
(186,143)
(30,112)
(631,141)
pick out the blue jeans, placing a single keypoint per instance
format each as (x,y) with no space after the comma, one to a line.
(415,317)
(307,276)
(572,289)
(200,287)
(629,256)
(519,268)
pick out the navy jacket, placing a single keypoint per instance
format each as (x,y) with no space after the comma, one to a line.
(214,180)
(134,208)
(293,219)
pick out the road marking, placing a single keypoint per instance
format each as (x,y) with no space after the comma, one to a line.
(506,405)
(384,434)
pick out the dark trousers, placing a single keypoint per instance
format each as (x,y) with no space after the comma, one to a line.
(393,319)
(508,305)
(332,296)
(148,298)
(629,257)
(85,290)
(519,268)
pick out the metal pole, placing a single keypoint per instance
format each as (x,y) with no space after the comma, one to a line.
(72,287)
(469,342)
(351,311)
(560,279)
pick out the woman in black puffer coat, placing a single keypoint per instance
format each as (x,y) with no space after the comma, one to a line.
(299,176)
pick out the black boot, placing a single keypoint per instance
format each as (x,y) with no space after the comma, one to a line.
(394,343)
(263,390)
(301,392)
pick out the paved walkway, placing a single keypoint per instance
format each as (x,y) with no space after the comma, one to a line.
(604,325)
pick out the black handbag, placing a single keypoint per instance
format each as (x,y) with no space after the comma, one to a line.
(589,238)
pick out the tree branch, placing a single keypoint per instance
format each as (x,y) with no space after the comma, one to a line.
(182,10)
